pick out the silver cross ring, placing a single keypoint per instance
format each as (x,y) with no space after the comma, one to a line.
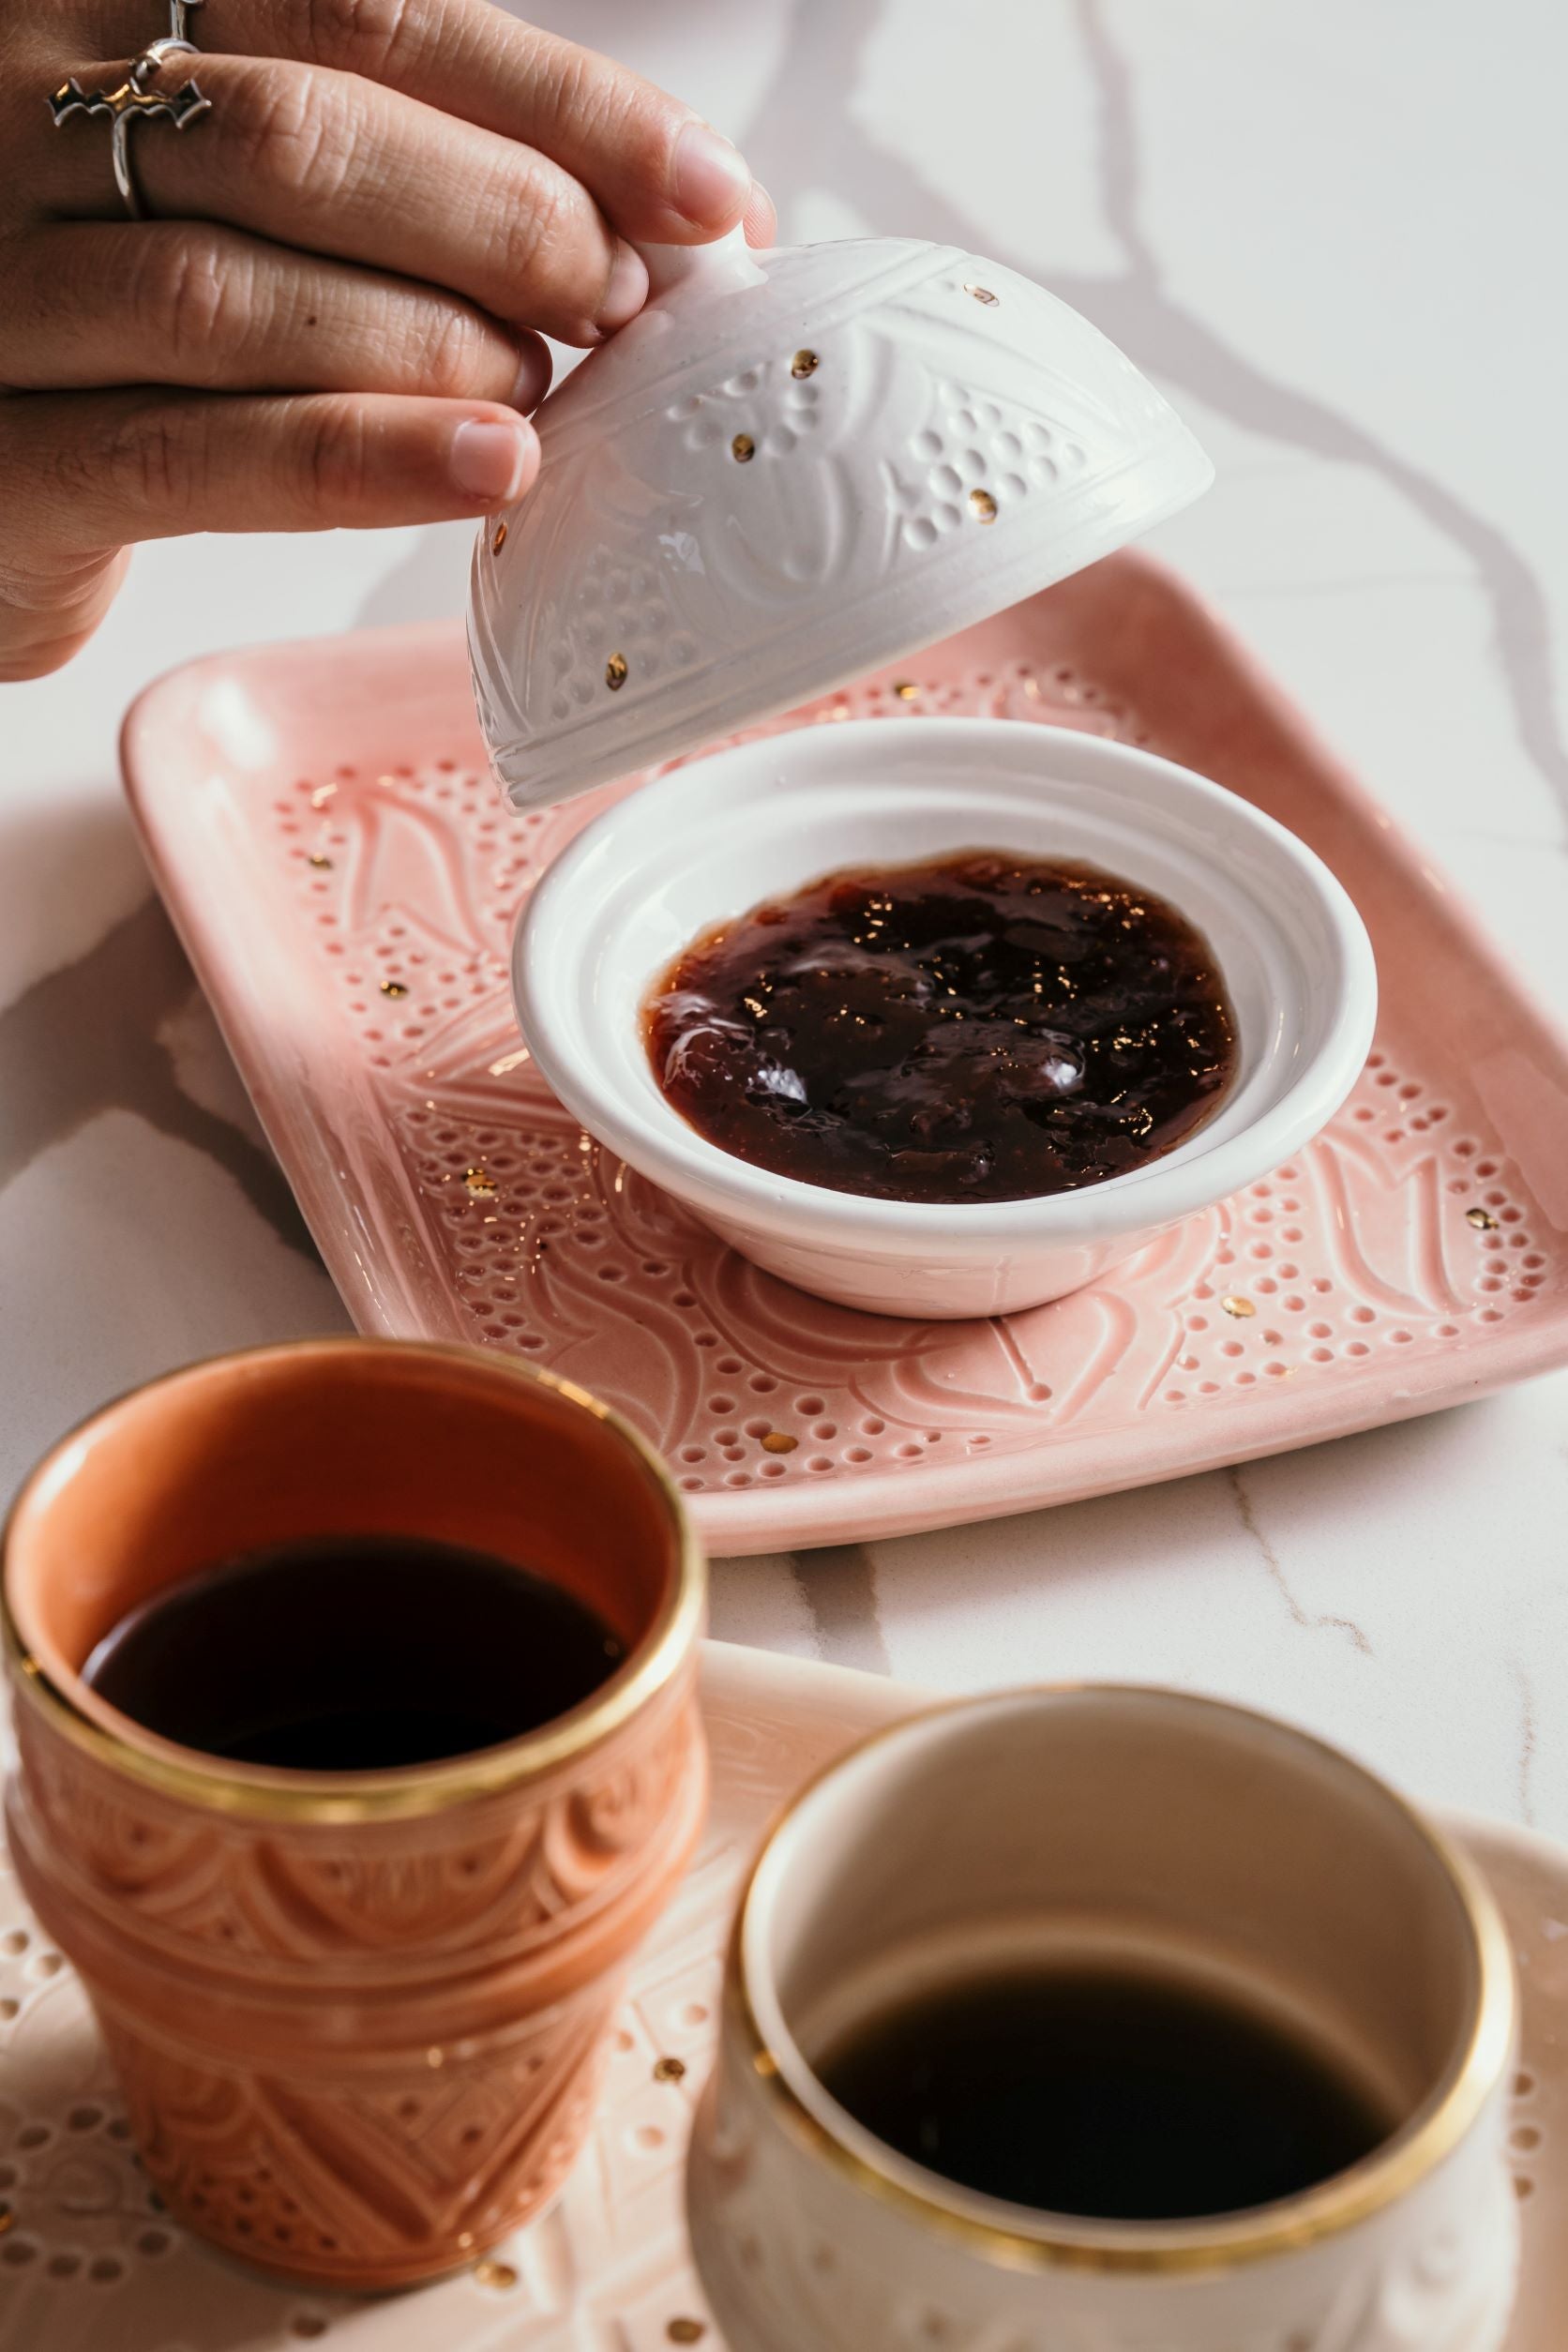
(133,100)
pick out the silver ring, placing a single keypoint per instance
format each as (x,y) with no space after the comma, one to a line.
(134,101)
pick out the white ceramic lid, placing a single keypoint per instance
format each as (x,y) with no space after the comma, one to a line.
(793,468)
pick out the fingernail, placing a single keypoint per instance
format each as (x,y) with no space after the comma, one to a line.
(626,290)
(487,461)
(711,178)
(533,379)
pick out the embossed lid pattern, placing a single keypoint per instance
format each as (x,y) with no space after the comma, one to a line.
(793,467)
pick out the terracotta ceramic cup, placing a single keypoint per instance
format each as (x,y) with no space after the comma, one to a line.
(1123,1823)
(357,2018)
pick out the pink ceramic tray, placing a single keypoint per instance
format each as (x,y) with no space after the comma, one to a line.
(346,880)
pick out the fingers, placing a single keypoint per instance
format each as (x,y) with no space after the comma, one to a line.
(335,165)
(658,173)
(46,615)
(191,304)
(84,473)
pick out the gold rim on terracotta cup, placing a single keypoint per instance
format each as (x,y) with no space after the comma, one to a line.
(1114,1827)
(358,2019)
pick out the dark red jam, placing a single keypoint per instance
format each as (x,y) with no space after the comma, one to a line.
(977,1028)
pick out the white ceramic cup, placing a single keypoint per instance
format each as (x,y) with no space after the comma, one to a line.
(714,839)
(1127,1823)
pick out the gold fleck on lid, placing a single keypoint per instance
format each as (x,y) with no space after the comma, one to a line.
(753,492)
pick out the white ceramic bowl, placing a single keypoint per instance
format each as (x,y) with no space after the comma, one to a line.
(713,839)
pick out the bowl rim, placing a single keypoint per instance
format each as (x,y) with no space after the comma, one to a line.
(555,933)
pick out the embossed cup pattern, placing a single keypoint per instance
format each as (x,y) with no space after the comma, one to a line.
(358,2019)
(1124,1820)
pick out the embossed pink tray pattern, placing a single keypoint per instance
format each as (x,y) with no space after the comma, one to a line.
(346,879)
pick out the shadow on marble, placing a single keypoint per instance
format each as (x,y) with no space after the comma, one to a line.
(94,1035)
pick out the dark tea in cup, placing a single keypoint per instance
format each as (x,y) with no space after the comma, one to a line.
(1109,2016)
(355,1654)
(356,1707)
(1126,2093)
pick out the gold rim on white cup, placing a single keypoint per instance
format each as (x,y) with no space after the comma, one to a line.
(1161,1827)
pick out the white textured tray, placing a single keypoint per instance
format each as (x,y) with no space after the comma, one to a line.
(88,2262)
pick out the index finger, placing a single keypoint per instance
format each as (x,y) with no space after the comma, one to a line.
(658,171)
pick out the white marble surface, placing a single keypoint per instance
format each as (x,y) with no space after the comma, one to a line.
(1333,236)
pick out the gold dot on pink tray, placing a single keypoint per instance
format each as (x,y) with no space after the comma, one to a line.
(478,1179)
(1483,1220)
(907,690)
(394,988)
(780,1441)
(497,2274)
(686,2331)
(743,448)
(323,864)
(1235,1305)
(668,2070)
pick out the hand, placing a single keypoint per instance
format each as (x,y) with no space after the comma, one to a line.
(334,315)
